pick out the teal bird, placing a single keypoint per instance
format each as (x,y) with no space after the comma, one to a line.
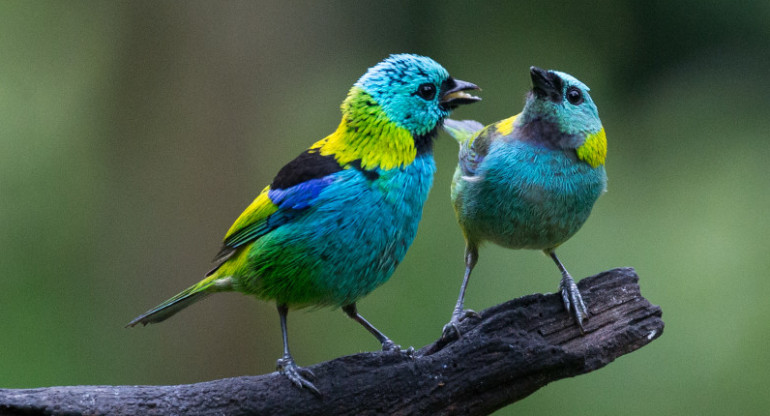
(530,181)
(337,220)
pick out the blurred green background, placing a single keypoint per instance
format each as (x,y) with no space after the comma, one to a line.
(133,133)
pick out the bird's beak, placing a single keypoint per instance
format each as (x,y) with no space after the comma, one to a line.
(453,93)
(546,84)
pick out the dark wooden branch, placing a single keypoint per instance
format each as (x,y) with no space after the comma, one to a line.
(516,348)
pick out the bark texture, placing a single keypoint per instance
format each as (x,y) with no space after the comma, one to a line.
(514,349)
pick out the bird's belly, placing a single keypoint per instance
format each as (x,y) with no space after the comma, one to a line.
(346,246)
(540,222)
(532,205)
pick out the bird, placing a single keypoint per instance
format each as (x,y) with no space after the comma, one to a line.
(336,221)
(531,180)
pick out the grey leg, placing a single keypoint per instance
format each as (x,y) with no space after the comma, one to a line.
(286,365)
(570,294)
(459,313)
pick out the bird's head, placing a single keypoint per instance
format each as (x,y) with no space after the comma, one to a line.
(393,112)
(415,92)
(560,113)
(562,100)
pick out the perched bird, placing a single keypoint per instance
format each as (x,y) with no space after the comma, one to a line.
(530,181)
(336,221)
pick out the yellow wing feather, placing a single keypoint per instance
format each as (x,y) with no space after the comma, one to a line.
(259,209)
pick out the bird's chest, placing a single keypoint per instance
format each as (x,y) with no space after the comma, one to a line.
(404,191)
(534,197)
(365,234)
(390,207)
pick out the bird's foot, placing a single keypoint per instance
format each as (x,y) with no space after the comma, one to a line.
(297,375)
(573,302)
(452,329)
(390,346)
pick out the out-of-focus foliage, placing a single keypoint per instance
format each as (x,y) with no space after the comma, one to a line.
(133,133)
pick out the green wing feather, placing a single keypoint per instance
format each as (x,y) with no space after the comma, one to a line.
(252,223)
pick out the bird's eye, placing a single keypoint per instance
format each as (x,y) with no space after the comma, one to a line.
(426,91)
(574,96)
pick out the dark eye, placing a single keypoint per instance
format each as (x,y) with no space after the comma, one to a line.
(574,96)
(426,91)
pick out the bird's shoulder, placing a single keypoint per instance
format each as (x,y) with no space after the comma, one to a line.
(474,150)
(295,188)
(481,143)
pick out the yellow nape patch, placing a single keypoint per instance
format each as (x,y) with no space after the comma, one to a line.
(594,150)
(379,144)
(505,127)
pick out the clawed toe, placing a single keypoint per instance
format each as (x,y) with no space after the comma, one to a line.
(573,302)
(297,375)
(390,346)
(409,352)
(452,329)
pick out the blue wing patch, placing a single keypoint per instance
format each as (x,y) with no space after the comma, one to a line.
(299,196)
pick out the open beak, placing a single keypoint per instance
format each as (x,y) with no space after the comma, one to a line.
(546,84)
(453,93)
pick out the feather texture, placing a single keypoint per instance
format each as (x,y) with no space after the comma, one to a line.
(337,220)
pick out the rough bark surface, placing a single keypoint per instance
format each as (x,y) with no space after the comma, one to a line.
(514,349)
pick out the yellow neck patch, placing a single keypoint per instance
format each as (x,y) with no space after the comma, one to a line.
(366,133)
(594,150)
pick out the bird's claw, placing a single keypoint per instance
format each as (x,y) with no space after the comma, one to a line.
(390,346)
(409,352)
(452,328)
(450,331)
(297,375)
(470,313)
(573,301)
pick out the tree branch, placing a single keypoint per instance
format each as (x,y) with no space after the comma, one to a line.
(516,348)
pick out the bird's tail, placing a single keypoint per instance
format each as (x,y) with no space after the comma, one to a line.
(192,294)
(462,130)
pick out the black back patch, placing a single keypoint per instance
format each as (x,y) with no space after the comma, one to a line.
(308,165)
(372,175)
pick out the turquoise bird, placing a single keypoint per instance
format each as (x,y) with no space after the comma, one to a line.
(530,181)
(337,220)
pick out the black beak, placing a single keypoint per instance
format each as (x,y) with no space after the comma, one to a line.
(453,93)
(546,84)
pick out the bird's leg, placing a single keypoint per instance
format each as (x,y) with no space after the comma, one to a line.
(452,329)
(570,294)
(286,365)
(387,345)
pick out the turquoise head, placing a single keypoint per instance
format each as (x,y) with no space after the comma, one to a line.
(559,113)
(414,92)
(560,99)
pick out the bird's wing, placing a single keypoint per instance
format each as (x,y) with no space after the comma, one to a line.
(475,139)
(292,191)
(466,133)
(462,130)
